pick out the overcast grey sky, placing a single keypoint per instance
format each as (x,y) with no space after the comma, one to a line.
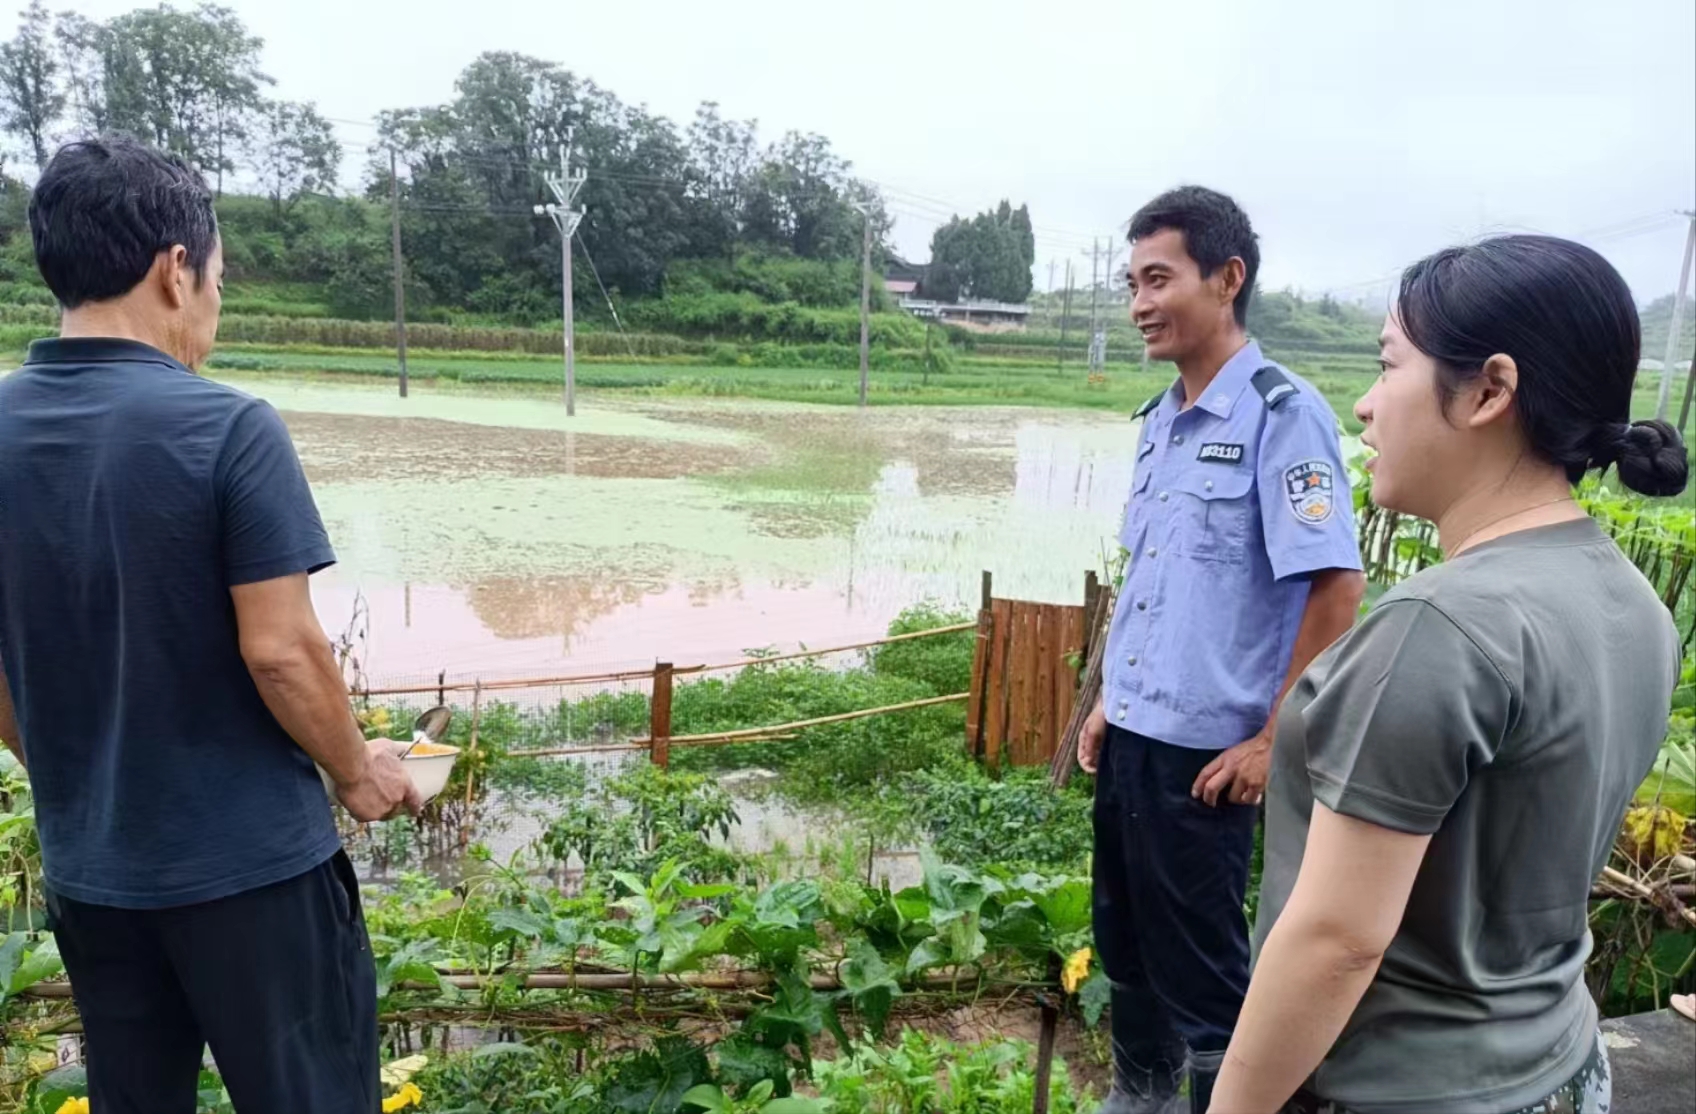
(1359,135)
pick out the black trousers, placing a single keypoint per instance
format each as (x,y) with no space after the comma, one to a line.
(278,981)
(1170,874)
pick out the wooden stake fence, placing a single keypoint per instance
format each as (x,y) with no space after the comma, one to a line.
(746,735)
(441,688)
(660,740)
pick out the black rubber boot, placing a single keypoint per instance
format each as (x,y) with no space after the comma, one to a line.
(1145,1075)
(1204,1072)
(1143,1091)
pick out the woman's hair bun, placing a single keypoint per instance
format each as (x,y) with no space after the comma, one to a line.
(1651,457)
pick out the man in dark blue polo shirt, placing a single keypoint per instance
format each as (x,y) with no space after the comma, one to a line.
(166,681)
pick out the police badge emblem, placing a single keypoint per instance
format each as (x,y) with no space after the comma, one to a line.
(1311,488)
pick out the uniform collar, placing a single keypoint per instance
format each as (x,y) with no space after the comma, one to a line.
(1221,394)
(97,350)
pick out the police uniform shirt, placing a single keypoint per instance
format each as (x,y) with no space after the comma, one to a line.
(1234,503)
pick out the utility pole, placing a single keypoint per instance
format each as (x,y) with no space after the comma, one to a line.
(865,302)
(1065,314)
(1109,253)
(1051,293)
(1677,324)
(1094,280)
(400,285)
(1689,391)
(1094,305)
(565,186)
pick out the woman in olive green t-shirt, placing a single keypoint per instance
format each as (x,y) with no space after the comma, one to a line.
(1448,779)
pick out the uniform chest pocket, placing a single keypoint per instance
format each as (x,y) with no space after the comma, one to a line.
(1136,509)
(1213,515)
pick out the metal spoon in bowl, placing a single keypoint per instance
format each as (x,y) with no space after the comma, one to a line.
(430,727)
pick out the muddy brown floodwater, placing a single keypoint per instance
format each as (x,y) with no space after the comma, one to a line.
(491,536)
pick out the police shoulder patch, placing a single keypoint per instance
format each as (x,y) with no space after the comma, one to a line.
(1273,386)
(1147,408)
(1310,488)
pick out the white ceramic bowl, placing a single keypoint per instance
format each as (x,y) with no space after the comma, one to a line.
(429,772)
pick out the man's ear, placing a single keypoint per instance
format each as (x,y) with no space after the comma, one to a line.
(173,275)
(1494,391)
(1232,274)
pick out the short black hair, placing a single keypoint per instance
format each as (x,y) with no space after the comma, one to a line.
(103,211)
(1215,230)
(1568,321)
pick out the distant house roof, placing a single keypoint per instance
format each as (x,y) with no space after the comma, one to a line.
(899,270)
(900,286)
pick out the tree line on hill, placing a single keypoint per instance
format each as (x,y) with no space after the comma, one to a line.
(710,207)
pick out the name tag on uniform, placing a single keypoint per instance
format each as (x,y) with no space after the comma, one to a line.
(1219,452)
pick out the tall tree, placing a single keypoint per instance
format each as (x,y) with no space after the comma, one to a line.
(723,156)
(186,81)
(989,256)
(799,199)
(295,151)
(30,97)
(82,47)
(653,195)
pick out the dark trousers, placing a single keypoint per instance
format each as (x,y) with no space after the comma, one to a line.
(278,981)
(1170,873)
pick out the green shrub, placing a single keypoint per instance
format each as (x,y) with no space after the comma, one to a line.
(744,316)
(29,313)
(21,336)
(771,278)
(1021,821)
(942,663)
(27,294)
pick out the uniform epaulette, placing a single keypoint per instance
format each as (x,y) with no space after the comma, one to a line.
(1273,386)
(1147,408)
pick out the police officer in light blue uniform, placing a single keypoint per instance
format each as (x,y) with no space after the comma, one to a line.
(1243,567)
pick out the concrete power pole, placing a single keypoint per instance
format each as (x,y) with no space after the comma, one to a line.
(1065,317)
(565,186)
(1098,341)
(400,285)
(1677,324)
(865,303)
(1095,334)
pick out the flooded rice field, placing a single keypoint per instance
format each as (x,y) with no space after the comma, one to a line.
(490,536)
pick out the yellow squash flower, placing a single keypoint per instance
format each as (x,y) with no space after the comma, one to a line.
(408,1095)
(73,1106)
(1076,970)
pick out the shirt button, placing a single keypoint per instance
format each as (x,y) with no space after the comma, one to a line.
(1178,440)
(1164,497)
(1208,485)
(1131,661)
(1153,552)
(1142,605)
